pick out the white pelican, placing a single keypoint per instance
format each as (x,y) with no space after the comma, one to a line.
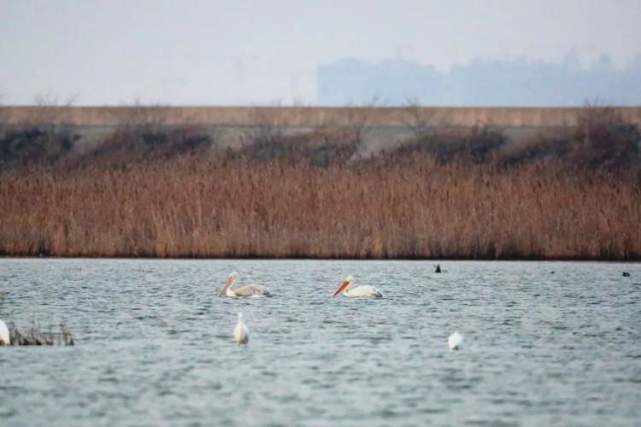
(455,341)
(4,334)
(359,291)
(243,291)
(241,333)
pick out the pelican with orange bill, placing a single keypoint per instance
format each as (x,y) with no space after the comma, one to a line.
(359,291)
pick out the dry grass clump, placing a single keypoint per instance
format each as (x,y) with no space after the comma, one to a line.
(605,142)
(35,335)
(536,149)
(602,143)
(479,145)
(138,145)
(25,146)
(320,148)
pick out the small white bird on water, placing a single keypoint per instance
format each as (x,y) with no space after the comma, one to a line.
(4,334)
(241,333)
(455,341)
(359,291)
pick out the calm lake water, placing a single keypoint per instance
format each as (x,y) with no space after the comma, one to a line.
(545,344)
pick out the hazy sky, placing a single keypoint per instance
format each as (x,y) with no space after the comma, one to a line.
(243,52)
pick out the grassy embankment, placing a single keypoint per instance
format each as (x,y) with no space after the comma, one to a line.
(168,193)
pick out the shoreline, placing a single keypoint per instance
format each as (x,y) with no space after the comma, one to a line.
(267,258)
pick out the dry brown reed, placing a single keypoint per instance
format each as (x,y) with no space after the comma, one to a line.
(154,191)
(35,335)
(409,206)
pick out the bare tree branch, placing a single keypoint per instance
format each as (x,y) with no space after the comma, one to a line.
(417,118)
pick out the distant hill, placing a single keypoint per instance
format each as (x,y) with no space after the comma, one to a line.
(481,83)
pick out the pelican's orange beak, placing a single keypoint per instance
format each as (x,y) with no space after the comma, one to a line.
(341,288)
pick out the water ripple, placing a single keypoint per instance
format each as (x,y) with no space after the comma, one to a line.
(154,344)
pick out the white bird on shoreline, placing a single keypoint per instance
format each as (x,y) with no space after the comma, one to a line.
(241,333)
(359,291)
(5,339)
(455,341)
(243,291)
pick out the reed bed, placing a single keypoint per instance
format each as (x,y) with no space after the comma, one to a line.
(405,206)
(149,190)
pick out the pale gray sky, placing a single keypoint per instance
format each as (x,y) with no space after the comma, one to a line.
(256,52)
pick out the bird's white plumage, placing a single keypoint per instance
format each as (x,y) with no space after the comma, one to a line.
(241,332)
(4,334)
(359,291)
(363,291)
(455,341)
(243,291)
